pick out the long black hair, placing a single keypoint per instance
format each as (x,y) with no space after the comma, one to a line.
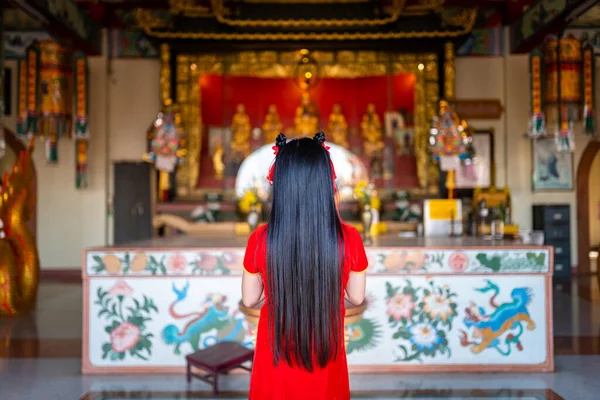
(304,256)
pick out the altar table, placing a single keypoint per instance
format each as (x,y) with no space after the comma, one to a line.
(448,304)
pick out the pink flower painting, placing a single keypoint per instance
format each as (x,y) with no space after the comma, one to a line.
(121,288)
(126,319)
(124,337)
(232,261)
(205,263)
(400,306)
(405,261)
(176,263)
(458,261)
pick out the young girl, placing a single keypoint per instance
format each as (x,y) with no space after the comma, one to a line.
(303,263)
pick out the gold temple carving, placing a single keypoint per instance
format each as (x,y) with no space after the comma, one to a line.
(342,64)
(19,259)
(152,24)
(394,11)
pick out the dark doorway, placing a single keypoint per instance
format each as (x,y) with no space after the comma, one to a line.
(132,202)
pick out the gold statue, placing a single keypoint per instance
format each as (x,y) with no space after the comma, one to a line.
(338,127)
(307,117)
(240,126)
(218,164)
(371,130)
(272,125)
(19,261)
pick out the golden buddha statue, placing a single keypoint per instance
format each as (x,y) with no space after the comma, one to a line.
(371,130)
(272,125)
(218,164)
(241,130)
(307,117)
(338,127)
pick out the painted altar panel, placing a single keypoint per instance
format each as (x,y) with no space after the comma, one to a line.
(412,322)
(156,322)
(507,260)
(452,320)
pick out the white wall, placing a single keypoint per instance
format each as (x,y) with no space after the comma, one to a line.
(70,220)
(134,98)
(484,78)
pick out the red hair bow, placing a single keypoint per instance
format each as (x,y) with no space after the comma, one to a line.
(333,175)
(271,173)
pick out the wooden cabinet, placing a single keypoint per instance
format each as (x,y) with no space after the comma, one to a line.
(555,221)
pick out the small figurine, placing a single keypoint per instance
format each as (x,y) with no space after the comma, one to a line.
(272,125)
(307,117)
(338,127)
(241,129)
(371,130)
(218,164)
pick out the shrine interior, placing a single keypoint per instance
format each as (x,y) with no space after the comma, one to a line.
(135,142)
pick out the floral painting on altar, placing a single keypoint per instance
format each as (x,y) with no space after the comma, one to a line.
(410,321)
(457,320)
(145,321)
(381,260)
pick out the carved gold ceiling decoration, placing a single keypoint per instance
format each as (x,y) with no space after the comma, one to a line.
(151,25)
(461,18)
(427,5)
(220,12)
(303,1)
(424,7)
(189,8)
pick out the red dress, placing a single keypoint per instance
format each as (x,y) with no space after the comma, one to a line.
(284,382)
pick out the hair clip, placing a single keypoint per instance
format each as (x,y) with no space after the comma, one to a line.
(320,138)
(280,141)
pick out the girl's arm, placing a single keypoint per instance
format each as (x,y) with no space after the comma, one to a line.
(252,289)
(355,289)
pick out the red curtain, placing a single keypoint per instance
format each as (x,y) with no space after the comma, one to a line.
(220,95)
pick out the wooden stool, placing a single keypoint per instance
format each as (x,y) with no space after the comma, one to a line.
(218,359)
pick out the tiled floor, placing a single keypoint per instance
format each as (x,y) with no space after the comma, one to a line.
(40,359)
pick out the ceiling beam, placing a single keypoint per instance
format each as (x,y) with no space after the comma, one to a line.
(545,17)
(68,23)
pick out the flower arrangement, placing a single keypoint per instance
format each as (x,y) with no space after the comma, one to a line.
(362,193)
(366,194)
(249,199)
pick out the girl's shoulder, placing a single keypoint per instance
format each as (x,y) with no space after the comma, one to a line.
(261,229)
(349,230)
(260,233)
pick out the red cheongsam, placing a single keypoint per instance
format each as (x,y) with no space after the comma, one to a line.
(285,382)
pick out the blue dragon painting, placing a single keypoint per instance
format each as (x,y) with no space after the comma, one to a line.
(212,325)
(487,329)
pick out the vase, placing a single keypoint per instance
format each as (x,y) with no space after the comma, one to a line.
(367,221)
(253,218)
